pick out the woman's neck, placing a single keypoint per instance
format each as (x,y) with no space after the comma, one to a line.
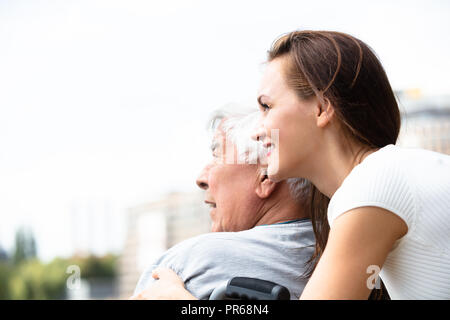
(333,163)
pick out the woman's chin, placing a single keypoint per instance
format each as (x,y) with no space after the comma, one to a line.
(273,168)
(274,175)
(277,171)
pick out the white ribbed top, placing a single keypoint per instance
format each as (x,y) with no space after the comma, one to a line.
(415,185)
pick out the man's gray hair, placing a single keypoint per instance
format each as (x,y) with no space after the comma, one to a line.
(237,126)
(237,123)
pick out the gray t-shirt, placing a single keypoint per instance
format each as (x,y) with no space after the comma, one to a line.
(276,253)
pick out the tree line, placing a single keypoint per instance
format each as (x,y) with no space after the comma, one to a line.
(24,276)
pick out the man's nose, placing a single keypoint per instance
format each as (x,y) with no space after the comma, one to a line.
(202,179)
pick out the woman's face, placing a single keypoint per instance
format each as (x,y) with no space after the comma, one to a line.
(287,126)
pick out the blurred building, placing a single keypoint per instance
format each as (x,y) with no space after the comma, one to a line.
(425,121)
(154,227)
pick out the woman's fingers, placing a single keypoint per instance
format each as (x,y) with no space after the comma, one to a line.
(155,273)
(165,274)
(168,287)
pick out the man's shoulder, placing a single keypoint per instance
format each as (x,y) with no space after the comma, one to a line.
(195,252)
(207,240)
(199,242)
(229,241)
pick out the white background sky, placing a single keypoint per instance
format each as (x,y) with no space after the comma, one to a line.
(103,103)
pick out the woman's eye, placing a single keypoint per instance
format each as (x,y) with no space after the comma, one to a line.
(264,107)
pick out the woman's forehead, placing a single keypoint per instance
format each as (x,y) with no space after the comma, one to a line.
(272,79)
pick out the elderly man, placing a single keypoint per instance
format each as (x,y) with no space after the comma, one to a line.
(261,229)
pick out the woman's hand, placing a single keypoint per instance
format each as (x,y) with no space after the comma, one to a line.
(168,286)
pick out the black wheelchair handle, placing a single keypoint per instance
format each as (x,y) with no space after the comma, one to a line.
(245,288)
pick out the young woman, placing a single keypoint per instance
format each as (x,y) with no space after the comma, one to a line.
(329,115)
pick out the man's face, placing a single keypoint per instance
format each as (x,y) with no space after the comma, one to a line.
(229,188)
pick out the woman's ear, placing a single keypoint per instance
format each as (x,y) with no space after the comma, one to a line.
(325,112)
(264,187)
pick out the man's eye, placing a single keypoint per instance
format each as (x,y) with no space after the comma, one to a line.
(215,154)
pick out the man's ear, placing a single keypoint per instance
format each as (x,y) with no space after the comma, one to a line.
(264,187)
(324,112)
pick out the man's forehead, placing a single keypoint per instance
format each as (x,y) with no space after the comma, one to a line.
(219,134)
(220,141)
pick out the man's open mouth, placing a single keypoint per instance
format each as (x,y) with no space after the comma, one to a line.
(211,204)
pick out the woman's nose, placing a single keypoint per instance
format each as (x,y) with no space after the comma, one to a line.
(258,133)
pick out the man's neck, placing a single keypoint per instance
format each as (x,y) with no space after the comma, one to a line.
(281,208)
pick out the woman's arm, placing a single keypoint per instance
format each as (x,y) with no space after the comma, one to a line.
(168,287)
(358,239)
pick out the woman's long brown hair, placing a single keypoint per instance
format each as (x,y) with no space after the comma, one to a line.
(342,69)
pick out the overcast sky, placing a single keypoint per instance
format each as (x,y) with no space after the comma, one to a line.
(103,104)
